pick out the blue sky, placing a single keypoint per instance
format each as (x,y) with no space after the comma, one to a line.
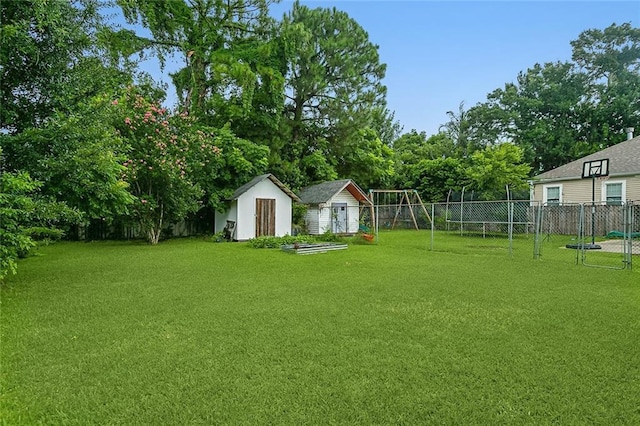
(440,53)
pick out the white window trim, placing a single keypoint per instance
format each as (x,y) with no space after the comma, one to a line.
(545,190)
(603,189)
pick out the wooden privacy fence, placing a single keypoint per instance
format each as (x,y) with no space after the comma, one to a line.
(600,219)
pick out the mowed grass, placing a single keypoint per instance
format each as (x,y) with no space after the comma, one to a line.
(194,332)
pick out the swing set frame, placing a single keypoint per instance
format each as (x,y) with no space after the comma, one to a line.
(408,198)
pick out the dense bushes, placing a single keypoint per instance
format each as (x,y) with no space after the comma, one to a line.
(277,242)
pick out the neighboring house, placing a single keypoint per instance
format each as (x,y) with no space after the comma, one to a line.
(565,184)
(260,207)
(334,206)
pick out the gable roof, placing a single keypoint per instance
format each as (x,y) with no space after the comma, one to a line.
(323,192)
(624,159)
(256,180)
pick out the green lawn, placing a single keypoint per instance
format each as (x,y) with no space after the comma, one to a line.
(194,332)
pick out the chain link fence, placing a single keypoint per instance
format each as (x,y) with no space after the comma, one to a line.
(597,227)
(616,227)
(484,217)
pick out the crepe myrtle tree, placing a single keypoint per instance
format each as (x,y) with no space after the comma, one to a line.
(165,154)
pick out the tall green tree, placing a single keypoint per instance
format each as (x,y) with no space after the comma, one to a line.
(77,158)
(50,60)
(457,129)
(558,112)
(333,91)
(410,149)
(496,167)
(548,115)
(220,42)
(25,217)
(607,54)
(610,58)
(433,179)
(367,160)
(542,113)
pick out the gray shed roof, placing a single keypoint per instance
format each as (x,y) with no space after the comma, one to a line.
(256,180)
(624,159)
(323,192)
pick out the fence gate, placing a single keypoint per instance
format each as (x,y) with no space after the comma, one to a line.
(608,236)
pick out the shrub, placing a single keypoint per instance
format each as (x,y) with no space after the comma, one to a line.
(277,242)
(38,233)
(299,211)
(330,237)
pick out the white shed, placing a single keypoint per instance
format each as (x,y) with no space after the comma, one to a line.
(334,206)
(260,207)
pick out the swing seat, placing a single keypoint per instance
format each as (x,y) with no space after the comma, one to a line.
(368,237)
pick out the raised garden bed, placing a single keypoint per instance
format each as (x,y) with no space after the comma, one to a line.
(312,248)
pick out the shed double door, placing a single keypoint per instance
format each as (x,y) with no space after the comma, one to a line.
(265,217)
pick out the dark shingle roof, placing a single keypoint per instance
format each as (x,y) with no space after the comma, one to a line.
(323,192)
(624,159)
(256,180)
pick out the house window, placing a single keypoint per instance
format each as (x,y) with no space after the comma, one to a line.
(614,193)
(552,194)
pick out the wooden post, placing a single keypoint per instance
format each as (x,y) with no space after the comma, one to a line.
(393,225)
(424,209)
(409,202)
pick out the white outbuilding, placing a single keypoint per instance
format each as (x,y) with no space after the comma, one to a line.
(334,206)
(258,208)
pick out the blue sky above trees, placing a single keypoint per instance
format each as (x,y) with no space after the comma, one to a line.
(439,53)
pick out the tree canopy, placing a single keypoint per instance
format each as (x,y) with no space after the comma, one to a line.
(335,101)
(84,134)
(558,112)
(51,60)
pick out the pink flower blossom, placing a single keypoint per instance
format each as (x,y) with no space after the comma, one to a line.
(115,102)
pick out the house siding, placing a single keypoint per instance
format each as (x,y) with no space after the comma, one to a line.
(633,188)
(580,191)
(231,214)
(324,218)
(319,219)
(312,220)
(320,200)
(624,167)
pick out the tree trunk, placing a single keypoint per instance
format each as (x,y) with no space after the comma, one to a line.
(153,235)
